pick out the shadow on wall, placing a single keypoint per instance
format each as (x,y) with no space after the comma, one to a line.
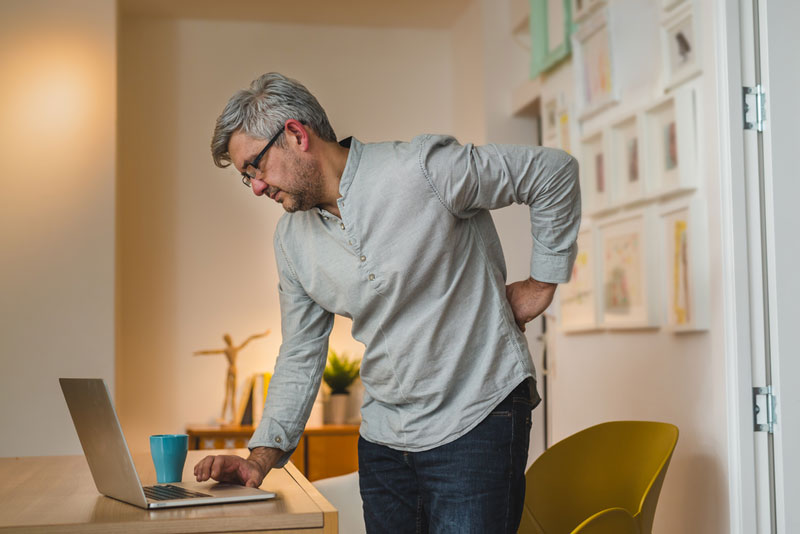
(702,477)
(146,228)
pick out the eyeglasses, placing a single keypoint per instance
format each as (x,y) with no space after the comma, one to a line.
(248,175)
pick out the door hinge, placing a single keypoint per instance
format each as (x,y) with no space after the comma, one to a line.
(772,417)
(759,98)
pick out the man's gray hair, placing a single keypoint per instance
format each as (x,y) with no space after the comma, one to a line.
(262,109)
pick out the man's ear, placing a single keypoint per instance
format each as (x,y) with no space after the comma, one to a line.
(297,134)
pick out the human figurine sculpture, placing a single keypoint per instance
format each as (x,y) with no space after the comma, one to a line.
(230,352)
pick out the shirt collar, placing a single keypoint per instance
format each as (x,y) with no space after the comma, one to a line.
(351,167)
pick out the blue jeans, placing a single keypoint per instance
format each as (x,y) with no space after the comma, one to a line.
(473,484)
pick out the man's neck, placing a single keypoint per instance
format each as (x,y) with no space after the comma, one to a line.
(332,164)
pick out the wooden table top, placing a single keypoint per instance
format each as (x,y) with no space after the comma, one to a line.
(57,494)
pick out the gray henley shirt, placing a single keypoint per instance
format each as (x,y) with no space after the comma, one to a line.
(416,263)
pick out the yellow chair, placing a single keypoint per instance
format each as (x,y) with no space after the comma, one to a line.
(603,480)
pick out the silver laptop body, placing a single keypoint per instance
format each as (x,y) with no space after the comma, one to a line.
(110,459)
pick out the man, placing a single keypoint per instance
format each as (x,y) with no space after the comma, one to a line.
(398,237)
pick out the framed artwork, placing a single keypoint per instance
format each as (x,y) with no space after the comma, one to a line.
(684,257)
(679,42)
(626,160)
(579,305)
(671,143)
(594,65)
(582,8)
(629,298)
(595,186)
(550,123)
(551,28)
(564,130)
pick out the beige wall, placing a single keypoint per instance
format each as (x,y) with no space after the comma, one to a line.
(57,157)
(196,256)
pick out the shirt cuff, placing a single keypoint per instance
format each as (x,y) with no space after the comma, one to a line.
(552,268)
(270,434)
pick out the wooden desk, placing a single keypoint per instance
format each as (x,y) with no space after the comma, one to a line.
(325,451)
(57,494)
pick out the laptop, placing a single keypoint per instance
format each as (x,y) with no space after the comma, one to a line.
(110,459)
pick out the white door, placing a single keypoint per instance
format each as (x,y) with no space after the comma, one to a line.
(759,46)
(780,59)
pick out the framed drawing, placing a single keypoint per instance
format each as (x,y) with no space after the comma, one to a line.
(551,28)
(582,8)
(564,129)
(670,133)
(595,186)
(626,256)
(594,65)
(626,160)
(679,43)
(579,305)
(550,123)
(685,290)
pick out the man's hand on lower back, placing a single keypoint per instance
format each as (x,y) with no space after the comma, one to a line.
(237,470)
(528,299)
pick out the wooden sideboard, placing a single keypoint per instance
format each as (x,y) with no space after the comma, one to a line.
(325,451)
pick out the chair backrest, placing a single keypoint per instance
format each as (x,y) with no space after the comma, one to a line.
(619,464)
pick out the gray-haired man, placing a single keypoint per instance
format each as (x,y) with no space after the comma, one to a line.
(398,237)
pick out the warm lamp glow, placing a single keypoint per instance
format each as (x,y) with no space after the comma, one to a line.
(52,90)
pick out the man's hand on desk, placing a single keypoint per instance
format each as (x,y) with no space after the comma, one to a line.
(232,469)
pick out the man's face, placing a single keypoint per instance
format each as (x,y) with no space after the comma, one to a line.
(285,175)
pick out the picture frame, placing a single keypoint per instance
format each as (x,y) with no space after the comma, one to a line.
(594,65)
(579,305)
(550,28)
(550,127)
(627,165)
(684,256)
(565,125)
(628,270)
(670,135)
(680,46)
(583,8)
(596,187)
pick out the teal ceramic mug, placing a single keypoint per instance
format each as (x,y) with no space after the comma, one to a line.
(169,455)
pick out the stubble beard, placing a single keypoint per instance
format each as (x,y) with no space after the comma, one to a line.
(306,191)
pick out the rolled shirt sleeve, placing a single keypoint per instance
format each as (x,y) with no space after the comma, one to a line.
(305,327)
(469,178)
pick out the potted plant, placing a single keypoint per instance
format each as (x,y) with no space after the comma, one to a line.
(339,374)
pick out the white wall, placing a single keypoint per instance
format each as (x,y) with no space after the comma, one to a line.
(196,256)
(655,375)
(57,157)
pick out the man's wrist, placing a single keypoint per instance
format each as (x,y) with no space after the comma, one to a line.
(265,457)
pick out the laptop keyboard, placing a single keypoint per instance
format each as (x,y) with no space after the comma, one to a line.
(169,492)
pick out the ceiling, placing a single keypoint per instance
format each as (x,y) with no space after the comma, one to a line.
(372,13)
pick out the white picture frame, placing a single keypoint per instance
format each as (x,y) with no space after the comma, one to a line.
(627,160)
(550,123)
(670,143)
(628,267)
(596,187)
(680,45)
(594,65)
(684,256)
(579,303)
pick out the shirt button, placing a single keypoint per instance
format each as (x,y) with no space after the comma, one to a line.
(342,225)
(349,241)
(371,277)
(363,258)
(278,439)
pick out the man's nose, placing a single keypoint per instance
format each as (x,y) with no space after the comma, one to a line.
(258,186)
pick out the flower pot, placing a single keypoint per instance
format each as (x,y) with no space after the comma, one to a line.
(338,403)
